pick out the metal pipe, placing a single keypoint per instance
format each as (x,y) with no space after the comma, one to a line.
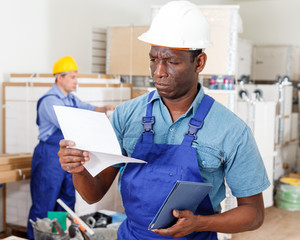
(81,222)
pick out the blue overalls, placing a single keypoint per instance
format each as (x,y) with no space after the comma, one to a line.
(144,187)
(48,180)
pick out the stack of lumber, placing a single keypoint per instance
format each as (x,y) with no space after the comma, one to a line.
(15,167)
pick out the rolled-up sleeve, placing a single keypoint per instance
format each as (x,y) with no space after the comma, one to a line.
(245,172)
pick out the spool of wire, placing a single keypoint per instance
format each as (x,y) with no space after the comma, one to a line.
(288,194)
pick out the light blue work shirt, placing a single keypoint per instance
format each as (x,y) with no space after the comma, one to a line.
(225,146)
(48,121)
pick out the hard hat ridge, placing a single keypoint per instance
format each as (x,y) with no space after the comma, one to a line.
(179,24)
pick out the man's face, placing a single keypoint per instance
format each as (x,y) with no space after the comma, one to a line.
(173,72)
(68,82)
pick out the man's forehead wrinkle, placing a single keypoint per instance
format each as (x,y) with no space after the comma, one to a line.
(164,55)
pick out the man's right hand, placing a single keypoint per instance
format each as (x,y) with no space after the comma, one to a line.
(91,189)
(71,159)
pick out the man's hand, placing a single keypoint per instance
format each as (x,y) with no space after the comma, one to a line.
(184,225)
(107,109)
(71,159)
(248,215)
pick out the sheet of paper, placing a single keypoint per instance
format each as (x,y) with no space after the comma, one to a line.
(92,131)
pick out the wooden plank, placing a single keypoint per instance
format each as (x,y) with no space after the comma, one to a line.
(15,175)
(15,166)
(114,85)
(108,76)
(105,76)
(4,207)
(22,75)
(88,76)
(46,75)
(5,160)
(3,118)
(23,84)
(7,155)
(14,161)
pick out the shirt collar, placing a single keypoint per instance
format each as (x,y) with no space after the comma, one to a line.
(56,90)
(194,105)
(197,100)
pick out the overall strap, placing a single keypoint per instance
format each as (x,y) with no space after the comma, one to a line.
(41,99)
(148,121)
(197,121)
(38,105)
(74,102)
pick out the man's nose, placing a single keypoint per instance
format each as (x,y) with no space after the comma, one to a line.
(160,70)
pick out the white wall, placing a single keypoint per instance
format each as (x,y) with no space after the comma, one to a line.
(24,37)
(271,21)
(34,33)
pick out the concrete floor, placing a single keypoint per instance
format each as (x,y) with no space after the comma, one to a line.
(279,224)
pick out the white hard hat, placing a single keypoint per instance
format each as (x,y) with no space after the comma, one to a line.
(179,24)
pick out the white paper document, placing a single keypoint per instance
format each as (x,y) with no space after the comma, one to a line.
(91,131)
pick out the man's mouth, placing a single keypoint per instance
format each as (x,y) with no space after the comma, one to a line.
(159,84)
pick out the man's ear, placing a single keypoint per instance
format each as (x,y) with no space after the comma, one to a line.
(58,78)
(200,62)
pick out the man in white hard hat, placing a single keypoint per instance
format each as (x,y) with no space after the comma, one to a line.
(48,181)
(184,135)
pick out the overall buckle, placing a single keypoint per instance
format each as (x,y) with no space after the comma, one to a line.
(148,123)
(193,129)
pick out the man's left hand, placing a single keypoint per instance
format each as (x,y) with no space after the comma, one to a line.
(184,225)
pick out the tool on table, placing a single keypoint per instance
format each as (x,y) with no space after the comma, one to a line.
(74,232)
(43,225)
(58,227)
(98,220)
(42,229)
(76,219)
